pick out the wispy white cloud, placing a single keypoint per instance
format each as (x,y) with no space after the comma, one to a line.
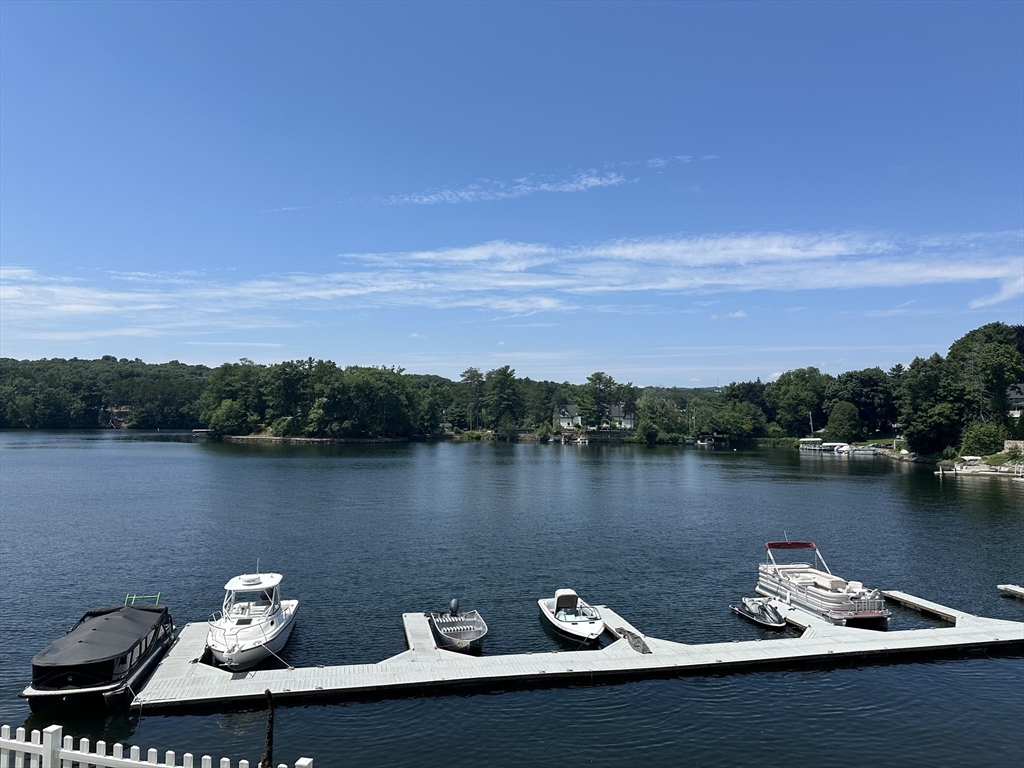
(91,334)
(258,344)
(1010,289)
(510,279)
(738,313)
(487,190)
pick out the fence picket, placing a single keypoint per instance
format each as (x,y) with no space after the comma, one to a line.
(50,748)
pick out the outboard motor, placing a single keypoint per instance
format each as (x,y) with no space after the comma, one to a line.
(453,607)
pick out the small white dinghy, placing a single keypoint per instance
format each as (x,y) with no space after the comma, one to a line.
(458,631)
(570,617)
(253,623)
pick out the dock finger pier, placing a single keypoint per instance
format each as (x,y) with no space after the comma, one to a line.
(182,680)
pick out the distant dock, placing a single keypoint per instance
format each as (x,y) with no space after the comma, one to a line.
(181,680)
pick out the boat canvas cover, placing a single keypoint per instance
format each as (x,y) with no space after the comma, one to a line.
(789,545)
(103,634)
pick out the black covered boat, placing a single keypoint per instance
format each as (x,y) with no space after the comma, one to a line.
(103,657)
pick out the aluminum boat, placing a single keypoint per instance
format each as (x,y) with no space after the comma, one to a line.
(458,631)
(253,623)
(818,590)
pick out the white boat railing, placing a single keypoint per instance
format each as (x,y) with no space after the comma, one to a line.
(831,607)
(49,748)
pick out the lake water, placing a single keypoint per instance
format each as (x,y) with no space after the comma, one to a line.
(668,537)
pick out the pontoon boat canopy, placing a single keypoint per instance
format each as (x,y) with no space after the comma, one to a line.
(102,635)
(789,545)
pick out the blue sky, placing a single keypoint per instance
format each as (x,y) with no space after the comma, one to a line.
(678,194)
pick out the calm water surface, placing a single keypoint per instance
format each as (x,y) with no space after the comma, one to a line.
(667,537)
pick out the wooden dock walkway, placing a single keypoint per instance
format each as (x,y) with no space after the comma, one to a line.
(181,680)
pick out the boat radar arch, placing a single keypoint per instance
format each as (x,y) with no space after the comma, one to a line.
(249,582)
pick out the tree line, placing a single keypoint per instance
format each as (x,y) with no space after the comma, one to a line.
(58,394)
(937,403)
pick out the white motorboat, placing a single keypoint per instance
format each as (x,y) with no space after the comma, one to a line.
(458,631)
(571,617)
(818,590)
(253,623)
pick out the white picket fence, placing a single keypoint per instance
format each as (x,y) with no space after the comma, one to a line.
(49,748)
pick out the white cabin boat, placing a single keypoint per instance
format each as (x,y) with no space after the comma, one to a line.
(253,623)
(818,590)
(570,617)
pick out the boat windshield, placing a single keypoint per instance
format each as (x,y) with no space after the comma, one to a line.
(581,612)
(250,603)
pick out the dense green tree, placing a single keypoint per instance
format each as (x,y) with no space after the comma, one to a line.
(798,398)
(472,395)
(503,404)
(932,413)
(982,439)
(749,392)
(228,418)
(540,400)
(983,364)
(240,382)
(658,412)
(844,423)
(382,403)
(739,420)
(870,391)
(602,391)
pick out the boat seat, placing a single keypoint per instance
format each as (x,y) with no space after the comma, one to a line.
(832,584)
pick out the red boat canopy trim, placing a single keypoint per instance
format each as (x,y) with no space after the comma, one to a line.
(789,545)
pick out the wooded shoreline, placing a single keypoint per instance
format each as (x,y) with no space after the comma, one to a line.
(938,406)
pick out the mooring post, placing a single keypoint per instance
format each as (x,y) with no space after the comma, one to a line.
(267,761)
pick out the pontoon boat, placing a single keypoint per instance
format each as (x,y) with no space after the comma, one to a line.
(107,654)
(817,590)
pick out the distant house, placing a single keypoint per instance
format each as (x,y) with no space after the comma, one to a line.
(615,418)
(1015,395)
(568,417)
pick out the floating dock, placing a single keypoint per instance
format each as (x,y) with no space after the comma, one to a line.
(182,680)
(1011,590)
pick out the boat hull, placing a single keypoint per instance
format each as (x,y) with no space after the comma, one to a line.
(112,695)
(588,632)
(463,632)
(249,654)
